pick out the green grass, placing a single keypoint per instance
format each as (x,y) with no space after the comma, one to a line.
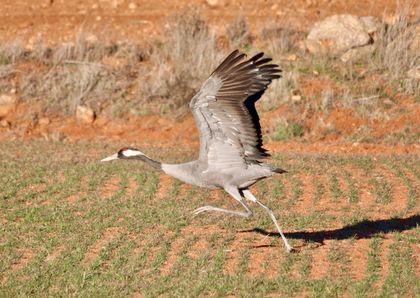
(63,233)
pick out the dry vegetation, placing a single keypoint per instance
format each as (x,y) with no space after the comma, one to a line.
(160,76)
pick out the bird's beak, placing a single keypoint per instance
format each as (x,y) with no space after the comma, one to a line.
(111,157)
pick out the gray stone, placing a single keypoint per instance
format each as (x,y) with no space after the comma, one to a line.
(356,54)
(337,34)
(85,114)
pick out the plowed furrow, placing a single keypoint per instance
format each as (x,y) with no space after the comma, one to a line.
(264,258)
(24,259)
(131,187)
(55,253)
(358,255)
(320,263)
(94,250)
(384,256)
(164,186)
(324,201)
(305,202)
(110,187)
(173,255)
(233,252)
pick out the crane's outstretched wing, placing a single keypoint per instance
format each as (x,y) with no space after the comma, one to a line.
(224,110)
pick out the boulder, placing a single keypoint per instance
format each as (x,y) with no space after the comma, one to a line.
(339,33)
(85,115)
(372,24)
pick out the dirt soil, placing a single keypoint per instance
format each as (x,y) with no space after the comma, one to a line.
(55,21)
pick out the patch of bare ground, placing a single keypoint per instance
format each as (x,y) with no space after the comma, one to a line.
(320,263)
(140,244)
(264,258)
(131,187)
(33,188)
(287,188)
(325,200)
(73,198)
(358,255)
(25,258)
(164,185)
(95,248)
(305,202)
(110,187)
(366,198)
(136,295)
(201,245)
(3,220)
(173,255)
(384,259)
(410,175)
(343,148)
(184,188)
(111,255)
(233,252)
(54,254)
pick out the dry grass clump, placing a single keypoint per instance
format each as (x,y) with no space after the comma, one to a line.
(238,34)
(66,86)
(280,39)
(118,78)
(397,50)
(11,52)
(182,62)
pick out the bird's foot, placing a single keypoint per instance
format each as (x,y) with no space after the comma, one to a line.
(204,209)
(211,208)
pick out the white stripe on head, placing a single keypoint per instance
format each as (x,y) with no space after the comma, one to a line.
(131,152)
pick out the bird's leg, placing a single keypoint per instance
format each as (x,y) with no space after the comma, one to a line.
(237,196)
(251,197)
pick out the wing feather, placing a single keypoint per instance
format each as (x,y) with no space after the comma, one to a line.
(225,114)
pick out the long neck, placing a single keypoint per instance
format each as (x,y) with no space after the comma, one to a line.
(153,163)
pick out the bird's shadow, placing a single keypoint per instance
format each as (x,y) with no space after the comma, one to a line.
(361,230)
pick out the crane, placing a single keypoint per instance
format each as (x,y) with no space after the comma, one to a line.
(231,148)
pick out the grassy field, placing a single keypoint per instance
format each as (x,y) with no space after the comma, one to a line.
(72,226)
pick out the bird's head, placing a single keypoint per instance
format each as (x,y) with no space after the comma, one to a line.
(125,153)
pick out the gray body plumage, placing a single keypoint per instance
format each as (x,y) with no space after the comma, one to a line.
(231,153)
(199,174)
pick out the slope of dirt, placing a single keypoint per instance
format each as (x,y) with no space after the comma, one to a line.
(56,20)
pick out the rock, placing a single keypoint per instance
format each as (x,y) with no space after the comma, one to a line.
(296,98)
(215,3)
(356,54)
(85,114)
(414,73)
(8,105)
(337,34)
(4,123)
(372,24)
(44,121)
(132,6)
